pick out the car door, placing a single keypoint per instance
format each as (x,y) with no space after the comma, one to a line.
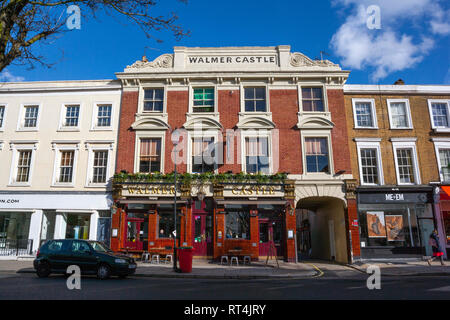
(58,254)
(83,256)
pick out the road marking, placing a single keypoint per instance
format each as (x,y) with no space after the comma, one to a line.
(445,289)
(317,269)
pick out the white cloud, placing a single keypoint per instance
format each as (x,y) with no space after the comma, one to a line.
(7,76)
(387,50)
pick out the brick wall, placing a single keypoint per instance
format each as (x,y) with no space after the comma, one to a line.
(421,130)
(126,140)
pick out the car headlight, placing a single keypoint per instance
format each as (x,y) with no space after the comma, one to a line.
(120,261)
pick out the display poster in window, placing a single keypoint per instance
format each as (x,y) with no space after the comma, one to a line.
(394,227)
(376,225)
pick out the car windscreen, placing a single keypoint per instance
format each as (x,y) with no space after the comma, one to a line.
(100,247)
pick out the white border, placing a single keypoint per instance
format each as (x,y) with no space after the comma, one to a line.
(15,147)
(5,105)
(98,146)
(407,110)
(440,143)
(407,145)
(66,146)
(373,111)
(325,133)
(94,121)
(137,149)
(370,144)
(20,123)
(252,133)
(436,128)
(62,118)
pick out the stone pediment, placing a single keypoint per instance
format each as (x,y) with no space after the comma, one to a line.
(315,122)
(150,124)
(203,123)
(255,123)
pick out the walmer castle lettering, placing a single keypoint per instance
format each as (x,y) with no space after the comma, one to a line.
(237,59)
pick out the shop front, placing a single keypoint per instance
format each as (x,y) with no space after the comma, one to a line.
(395,222)
(29,218)
(444,219)
(221,219)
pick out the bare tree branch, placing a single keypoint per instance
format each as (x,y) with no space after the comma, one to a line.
(25,23)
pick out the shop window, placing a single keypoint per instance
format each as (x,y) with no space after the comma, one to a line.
(203,100)
(203,155)
(312,99)
(153,100)
(150,155)
(14,225)
(393,226)
(166,223)
(447,225)
(317,155)
(237,223)
(255,99)
(78,226)
(257,155)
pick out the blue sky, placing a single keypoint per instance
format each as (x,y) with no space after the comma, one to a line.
(413,42)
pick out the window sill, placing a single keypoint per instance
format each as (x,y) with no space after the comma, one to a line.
(74,129)
(19,184)
(365,128)
(102,129)
(60,185)
(441,129)
(403,128)
(27,130)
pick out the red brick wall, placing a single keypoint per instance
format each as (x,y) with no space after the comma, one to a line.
(126,144)
(177,107)
(284,108)
(339,136)
(229,107)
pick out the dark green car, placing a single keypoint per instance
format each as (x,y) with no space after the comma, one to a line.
(93,257)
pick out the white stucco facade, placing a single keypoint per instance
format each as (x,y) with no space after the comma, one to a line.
(57,154)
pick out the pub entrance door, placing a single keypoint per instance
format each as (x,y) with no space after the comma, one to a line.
(134,234)
(270,234)
(202,229)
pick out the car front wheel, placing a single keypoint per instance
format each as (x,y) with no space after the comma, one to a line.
(103,272)
(43,270)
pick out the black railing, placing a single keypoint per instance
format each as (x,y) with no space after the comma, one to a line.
(16,247)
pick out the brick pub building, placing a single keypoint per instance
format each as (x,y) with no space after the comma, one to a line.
(263,159)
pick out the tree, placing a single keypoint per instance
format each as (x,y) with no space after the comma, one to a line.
(26,23)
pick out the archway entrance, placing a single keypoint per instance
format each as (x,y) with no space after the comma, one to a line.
(321,228)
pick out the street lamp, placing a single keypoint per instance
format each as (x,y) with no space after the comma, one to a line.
(175,140)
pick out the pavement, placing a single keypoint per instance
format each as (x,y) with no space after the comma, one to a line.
(260,270)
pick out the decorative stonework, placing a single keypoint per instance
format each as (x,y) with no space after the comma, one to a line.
(350,189)
(163,61)
(298,59)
